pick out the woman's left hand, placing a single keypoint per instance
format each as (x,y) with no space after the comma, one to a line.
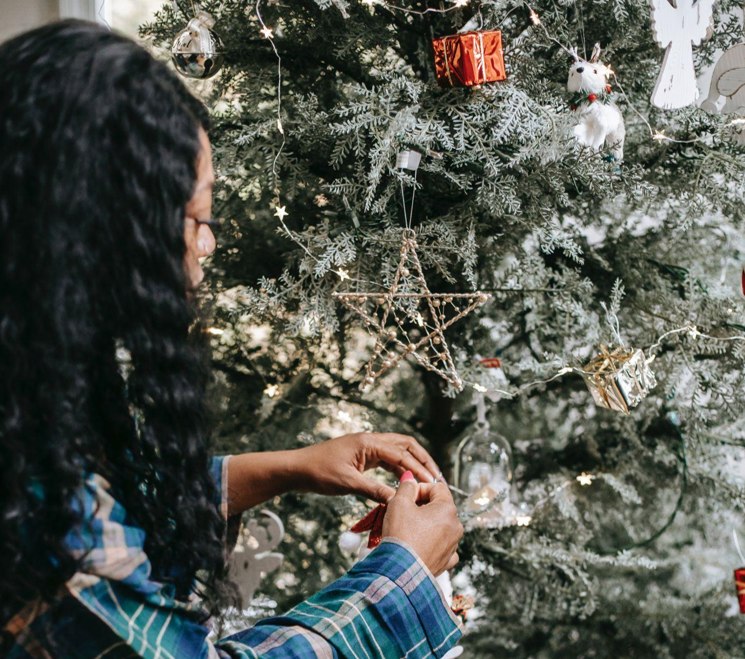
(336,466)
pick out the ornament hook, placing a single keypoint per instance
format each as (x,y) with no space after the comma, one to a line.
(737,545)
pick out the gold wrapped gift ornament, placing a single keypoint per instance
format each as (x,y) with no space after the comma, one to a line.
(619,380)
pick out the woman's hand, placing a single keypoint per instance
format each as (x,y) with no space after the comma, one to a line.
(337,465)
(425,518)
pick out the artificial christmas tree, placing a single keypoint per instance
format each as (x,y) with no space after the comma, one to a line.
(625,546)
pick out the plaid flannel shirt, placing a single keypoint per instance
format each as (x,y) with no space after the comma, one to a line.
(387,606)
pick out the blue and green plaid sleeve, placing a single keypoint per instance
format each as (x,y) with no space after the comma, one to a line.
(388,606)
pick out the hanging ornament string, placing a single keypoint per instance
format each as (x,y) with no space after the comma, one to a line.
(407,216)
(737,546)
(578,3)
(101,16)
(614,324)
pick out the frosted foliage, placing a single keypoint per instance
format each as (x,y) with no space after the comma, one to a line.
(576,250)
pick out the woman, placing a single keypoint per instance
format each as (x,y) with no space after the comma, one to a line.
(111,514)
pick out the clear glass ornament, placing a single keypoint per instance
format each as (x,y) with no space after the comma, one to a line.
(483,468)
(197,50)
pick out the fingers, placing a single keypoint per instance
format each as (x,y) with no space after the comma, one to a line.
(407,491)
(429,492)
(399,453)
(420,453)
(372,489)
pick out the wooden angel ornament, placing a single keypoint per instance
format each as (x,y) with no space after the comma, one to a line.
(678,28)
(728,80)
(253,558)
(600,121)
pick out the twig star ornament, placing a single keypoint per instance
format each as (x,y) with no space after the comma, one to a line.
(410,320)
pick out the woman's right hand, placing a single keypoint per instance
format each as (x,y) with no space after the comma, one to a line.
(425,518)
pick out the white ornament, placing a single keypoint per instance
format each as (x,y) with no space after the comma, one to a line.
(349,542)
(408,159)
(728,80)
(252,558)
(600,121)
(678,29)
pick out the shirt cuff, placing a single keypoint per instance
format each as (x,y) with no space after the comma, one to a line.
(219,468)
(396,560)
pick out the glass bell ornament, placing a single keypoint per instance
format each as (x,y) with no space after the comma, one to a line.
(197,50)
(483,468)
(483,472)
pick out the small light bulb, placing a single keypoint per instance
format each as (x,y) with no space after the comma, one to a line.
(267,32)
(535,17)
(215,331)
(585,479)
(343,274)
(280,212)
(480,388)
(660,136)
(523,520)
(271,391)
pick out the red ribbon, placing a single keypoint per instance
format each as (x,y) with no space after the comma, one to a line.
(372,522)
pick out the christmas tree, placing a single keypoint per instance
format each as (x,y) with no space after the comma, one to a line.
(624,542)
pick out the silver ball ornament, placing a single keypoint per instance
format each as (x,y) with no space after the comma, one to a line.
(197,50)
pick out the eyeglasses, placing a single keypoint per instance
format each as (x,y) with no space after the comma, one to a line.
(213,223)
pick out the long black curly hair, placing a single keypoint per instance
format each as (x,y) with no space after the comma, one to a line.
(98,150)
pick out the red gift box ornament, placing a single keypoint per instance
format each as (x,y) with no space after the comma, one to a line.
(469,59)
(740,585)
